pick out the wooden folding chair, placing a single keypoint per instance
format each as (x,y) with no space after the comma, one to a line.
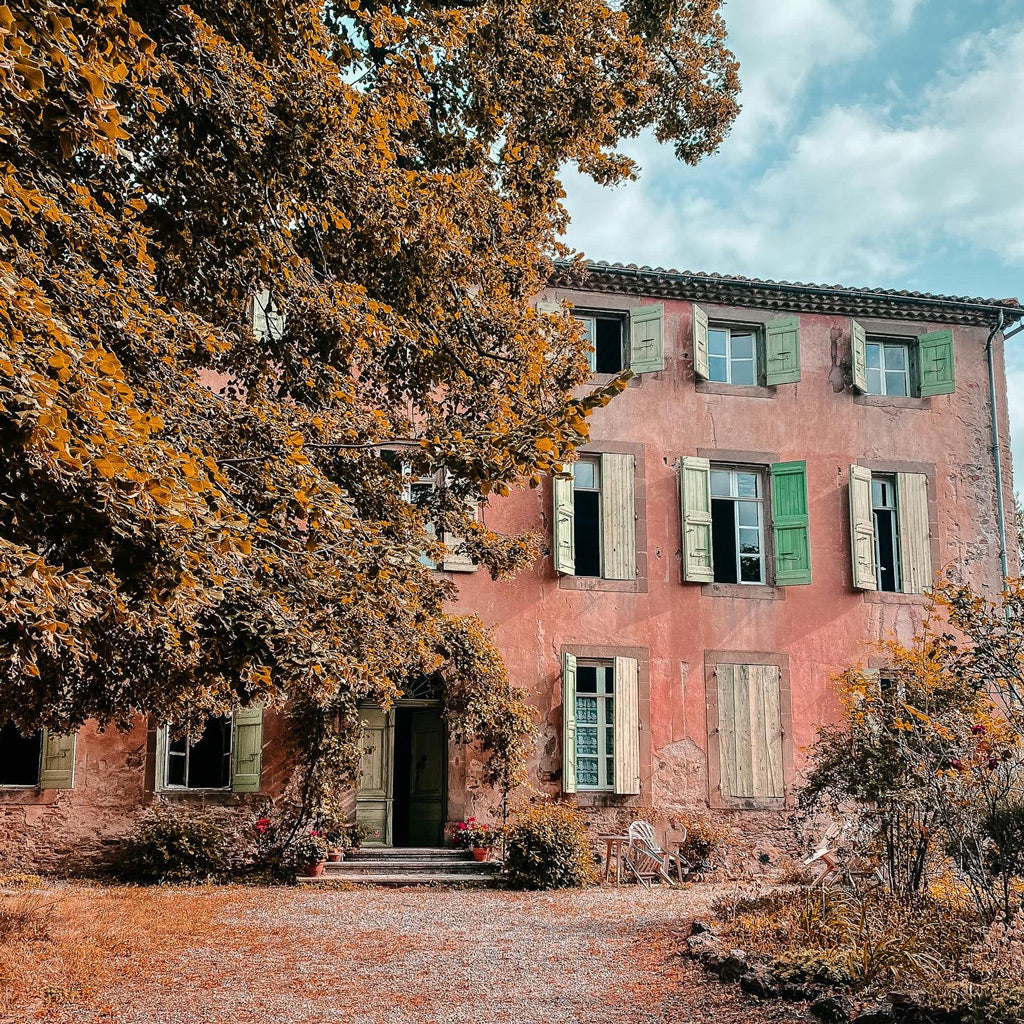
(645,860)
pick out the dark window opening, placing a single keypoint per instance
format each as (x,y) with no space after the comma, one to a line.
(608,346)
(20,756)
(723,540)
(587,506)
(205,764)
(887,551)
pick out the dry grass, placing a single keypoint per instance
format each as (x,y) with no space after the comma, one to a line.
(290,956)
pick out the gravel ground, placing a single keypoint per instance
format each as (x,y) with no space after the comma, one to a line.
(431,956)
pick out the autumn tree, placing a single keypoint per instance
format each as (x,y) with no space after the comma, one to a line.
(246,249)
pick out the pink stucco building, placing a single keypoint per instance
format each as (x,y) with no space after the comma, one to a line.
(770,495)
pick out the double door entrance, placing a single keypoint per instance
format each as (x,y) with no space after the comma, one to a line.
(403,774)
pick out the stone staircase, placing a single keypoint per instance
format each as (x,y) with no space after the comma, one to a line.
(400,866)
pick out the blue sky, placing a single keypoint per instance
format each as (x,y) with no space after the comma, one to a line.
(881,144)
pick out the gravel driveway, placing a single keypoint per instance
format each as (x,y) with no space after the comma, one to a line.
(377,956)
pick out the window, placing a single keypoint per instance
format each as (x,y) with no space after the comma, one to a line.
(746,354)
(595,725)
(725,523)
(633,339)
(419,492)
(607,343)
(887,544)
(890,537)
(20,756)
(600,725)
(732,355)
(745,722)
(737,525)
(888,367)
(595,518)
(227,755)
(916,367)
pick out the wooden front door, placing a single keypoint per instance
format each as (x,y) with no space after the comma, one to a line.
(426,777)
(375,795)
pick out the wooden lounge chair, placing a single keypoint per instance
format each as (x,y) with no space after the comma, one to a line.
(646,861)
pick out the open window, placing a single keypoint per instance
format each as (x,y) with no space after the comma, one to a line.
(728,519)
(901,366)
(419,491)
(619,340)
(600,725)
(890,537)
(595,518)
(746,354)
(227,755)
(41,758)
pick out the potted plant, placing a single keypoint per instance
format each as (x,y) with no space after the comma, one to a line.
(476,836)
(311,852)
(357,833)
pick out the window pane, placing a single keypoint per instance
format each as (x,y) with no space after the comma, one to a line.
(585,473)
(895,357)
(895,382)
(718,369)
(175,768)
(750,570)
(874,381)
(209,758)
(746,485)
(586,711)
(19,756)
(873,356)
(421,493)
(586,741)
(586,679)
(588,327)
(586,771)
(743,346)
(609,679)
(743,371)
(750,542)
(717,342)
(747,513)
(721,483)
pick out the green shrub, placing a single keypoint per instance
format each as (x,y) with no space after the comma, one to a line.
(548,848)
(994,1003)
(176,846)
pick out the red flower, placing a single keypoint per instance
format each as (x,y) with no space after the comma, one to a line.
(262,825)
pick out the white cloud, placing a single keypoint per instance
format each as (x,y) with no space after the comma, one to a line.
(903,12)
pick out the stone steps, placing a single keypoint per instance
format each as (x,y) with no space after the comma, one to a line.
(402,866)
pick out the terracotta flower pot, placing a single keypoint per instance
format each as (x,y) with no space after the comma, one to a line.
(335,856)
(479,853)
(315,870)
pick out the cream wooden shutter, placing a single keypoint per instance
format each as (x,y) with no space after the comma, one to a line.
(750,731)
(268,320)
(549,307)
(627,726)
(782,350)
(247,749)
(647,339)
(160,773)
(564,525)
(58,765)
(859,354)
(454,559)
(862,529)
(695,497)
(568,723)
(915,538)
(701,365)
(618,517)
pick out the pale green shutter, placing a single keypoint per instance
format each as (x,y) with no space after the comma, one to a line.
(627,726)
(859,353)
(750,731)
(564,539)
(618,517)
(782,348)
(568,723)
(647,339)
(267,319)
(935,363)
(160,774)
(58,765)
(701,365)
(695,497)
(791,524)
(248,749)
(862,529)
(915,538)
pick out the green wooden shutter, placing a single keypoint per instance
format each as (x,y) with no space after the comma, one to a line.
(935,364)
(568,723)
(750,731)
(914,534)
(627,726)
(862,529)
(791,524)
(160,772)
(618,517)
(695,497)
(58,765)
(859,353)
(564,539)
(701,365)
(782,348)
(647,338)
(248,749)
